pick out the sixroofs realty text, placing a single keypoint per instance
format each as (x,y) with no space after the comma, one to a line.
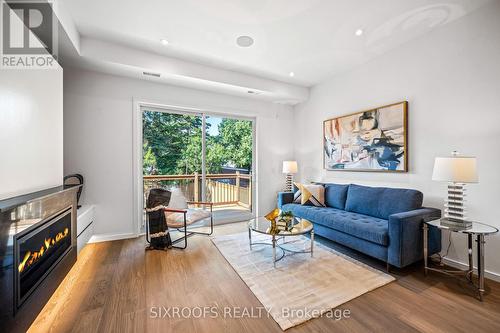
(162,312)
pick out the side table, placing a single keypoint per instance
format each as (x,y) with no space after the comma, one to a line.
(477,229)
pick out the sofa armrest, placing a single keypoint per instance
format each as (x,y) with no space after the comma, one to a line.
(406,236)
(284,198)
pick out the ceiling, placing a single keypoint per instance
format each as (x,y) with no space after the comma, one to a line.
(314,39)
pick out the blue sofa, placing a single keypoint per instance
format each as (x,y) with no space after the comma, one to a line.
(385,223)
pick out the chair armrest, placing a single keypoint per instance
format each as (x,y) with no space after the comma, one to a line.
(406,236)
(171,210)
(284,198)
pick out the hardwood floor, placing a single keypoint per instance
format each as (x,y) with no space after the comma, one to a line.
(114,285)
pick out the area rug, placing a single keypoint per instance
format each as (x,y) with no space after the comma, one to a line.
(300,287)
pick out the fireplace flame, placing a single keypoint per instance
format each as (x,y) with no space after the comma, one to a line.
(23,263)
(31,257)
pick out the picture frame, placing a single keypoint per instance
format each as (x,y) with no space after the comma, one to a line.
(373,140)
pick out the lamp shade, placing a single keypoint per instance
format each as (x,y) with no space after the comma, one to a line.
(290,167)
(458,169)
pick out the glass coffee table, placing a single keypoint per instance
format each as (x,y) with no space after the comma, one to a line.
(263,226)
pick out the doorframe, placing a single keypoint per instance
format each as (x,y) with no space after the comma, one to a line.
(137,138)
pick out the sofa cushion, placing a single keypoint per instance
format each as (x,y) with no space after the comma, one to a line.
(336,195)
(381,202)
(362,226)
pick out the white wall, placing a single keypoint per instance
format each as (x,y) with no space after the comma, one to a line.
(31,125)
(451,78)
(98,111)
(31,130)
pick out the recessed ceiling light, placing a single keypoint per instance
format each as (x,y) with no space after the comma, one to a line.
(164,41)
(359,32)
(244,41)
(151,74)
(292,74)
(254,92)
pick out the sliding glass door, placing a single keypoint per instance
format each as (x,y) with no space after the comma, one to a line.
(172,151)
(207,157)
(229,160)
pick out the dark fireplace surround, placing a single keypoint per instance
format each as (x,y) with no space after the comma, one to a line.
(37,250)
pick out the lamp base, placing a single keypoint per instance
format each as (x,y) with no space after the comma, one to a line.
(455,214)
(456,224)
(289,183)
(454,207)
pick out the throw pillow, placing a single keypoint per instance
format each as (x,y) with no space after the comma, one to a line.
(177,199)
(296,193)
(310,195)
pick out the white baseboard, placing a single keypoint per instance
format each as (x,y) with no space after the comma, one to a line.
(111,237)
(457,264)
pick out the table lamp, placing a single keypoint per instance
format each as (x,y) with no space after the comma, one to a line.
(457,171)
(289,168)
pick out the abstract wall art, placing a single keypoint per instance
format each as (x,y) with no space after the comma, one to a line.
(372,140)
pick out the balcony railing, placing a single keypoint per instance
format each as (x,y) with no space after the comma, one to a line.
(230,189)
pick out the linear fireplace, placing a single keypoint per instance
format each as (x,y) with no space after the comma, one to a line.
(38,251)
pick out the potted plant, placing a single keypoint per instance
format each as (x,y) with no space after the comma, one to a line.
(287,218)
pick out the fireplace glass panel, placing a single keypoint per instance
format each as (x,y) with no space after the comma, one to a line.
(40,250)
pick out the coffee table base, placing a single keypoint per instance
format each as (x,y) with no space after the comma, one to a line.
(284,250)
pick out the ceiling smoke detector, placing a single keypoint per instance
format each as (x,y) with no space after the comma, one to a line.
(244,41)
